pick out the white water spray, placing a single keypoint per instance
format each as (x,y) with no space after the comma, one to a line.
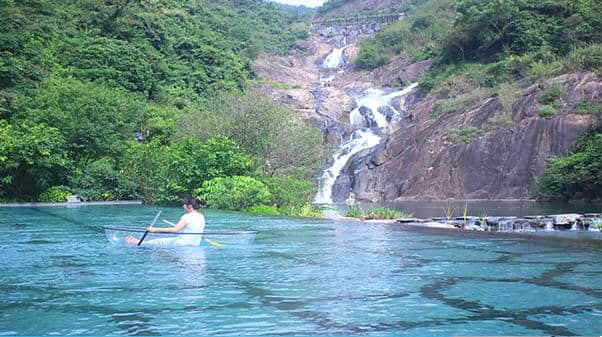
(360,140)
(372,102)
(334,59)
(381,114)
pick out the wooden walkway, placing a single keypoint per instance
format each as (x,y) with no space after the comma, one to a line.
(358,20)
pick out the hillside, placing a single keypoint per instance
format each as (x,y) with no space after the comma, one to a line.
(354,7)
(506,91)
(117,100)
(484,51)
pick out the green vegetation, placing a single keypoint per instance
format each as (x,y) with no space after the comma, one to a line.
(552,94)
(375,213)
(55,194)
(233,193)
(467,134)
(585,107)
(578,175)
(547,111)
(100,98)
(355,211)
(487,48)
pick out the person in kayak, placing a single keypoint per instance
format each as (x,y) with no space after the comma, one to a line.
(191,222)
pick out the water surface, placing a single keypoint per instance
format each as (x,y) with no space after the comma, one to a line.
(60,275)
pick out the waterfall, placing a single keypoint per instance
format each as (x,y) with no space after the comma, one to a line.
(374,111)
(334,59)
(360,140)
(374,108)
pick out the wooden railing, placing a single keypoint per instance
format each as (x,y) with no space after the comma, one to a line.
(357,20)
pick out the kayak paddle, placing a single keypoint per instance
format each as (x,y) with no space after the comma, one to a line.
(152,224)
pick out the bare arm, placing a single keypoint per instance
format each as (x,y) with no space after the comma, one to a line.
(177,228)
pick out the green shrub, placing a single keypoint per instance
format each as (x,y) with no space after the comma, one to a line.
(465,135)
(233,193)
(551,94)
(289,190)
(578,173)
(264,209)
(164,173)
(101,180)
(585,107)
(307,210)
(382,213)
(462,101)
(507,94)
(355,211)
(540,70)
(55,194)
(547,111)
(371,57)
(588,58)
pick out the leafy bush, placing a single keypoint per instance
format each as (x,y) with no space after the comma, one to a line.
(585,107)
(94,120)
(33,157)
(289,190)
(306,210)
(579,173)
(464,135)
(115,62)
(55,194)
(587,58)
(279,139)
(551,94)
(264,210)
(467,134)
(382,213)
(100,180)
(547,111)
(371,57)
(166,172)
(355,211)
(234,193)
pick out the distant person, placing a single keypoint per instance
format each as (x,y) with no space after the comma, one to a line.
(191,222)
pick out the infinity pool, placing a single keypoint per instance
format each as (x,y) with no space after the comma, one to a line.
(60,275)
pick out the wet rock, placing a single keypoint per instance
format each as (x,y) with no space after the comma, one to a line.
(499,164)
(368,115)
(565,219)
(387,111)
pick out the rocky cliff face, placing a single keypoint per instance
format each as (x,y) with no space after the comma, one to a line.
(499,155)
(418,161)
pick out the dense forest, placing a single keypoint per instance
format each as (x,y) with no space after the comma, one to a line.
(493,48)
(129,99)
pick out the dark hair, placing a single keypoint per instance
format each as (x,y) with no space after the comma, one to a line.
(192,201)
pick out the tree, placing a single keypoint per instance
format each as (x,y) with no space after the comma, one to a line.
(94,120)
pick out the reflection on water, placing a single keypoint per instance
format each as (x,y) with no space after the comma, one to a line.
(430,209)
(61,275)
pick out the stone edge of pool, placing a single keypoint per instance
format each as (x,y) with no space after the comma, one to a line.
(568,226)
(83,203)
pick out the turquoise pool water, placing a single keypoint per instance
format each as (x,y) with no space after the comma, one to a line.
(60,275)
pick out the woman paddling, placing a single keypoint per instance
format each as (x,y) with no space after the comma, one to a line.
(191,222)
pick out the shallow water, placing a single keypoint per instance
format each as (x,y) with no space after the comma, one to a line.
(60,275)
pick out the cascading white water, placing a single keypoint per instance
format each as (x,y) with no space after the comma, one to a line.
(379,103)
(375,100)
(360,140)
(334,59)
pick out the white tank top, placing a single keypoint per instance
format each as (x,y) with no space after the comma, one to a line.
(195,223)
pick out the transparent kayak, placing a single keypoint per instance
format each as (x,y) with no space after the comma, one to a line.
(119,236)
